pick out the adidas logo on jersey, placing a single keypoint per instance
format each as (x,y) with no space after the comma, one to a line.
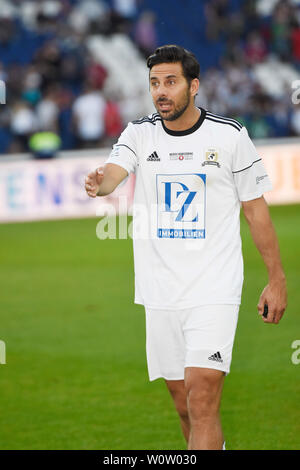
(153,157)
(216,357)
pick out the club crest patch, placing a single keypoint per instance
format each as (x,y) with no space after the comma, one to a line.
(211,158)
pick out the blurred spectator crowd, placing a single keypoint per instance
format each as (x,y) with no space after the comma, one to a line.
(77,67)
(260,65)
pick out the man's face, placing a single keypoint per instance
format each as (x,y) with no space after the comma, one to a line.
(170,90)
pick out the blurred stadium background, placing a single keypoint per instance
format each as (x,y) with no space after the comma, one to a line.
(74,71)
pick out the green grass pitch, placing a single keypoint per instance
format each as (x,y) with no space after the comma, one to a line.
(76,374)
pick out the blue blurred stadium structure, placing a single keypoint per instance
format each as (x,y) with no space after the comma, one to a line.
(249,52)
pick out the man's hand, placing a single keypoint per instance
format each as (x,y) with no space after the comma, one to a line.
(93,181)
(104,179)
(275,296)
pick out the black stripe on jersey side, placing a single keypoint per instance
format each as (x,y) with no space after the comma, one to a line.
(123,145)
(225,119)
(243,169)
(222,118)
(224,122)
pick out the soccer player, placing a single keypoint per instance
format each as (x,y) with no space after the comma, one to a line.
(196,169)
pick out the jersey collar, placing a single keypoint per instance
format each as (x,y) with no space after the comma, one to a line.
(191,129)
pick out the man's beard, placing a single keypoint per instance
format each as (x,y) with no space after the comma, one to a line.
(178,111)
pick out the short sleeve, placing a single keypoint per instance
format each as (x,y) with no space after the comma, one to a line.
(124,152)
(250,176)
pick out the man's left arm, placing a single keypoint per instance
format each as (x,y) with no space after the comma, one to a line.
(263,233)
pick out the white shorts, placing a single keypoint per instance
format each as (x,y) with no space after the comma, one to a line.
(196,337)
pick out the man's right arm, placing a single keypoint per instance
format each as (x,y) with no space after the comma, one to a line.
(104,180)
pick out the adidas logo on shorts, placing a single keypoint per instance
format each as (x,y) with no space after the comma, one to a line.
(216,357)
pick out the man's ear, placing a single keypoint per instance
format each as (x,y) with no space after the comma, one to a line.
(194,87)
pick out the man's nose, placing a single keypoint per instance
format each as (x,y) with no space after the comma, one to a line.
(161,91)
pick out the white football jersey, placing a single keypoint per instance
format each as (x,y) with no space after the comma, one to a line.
(188,193)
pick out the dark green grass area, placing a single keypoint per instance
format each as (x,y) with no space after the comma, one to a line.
(76,373)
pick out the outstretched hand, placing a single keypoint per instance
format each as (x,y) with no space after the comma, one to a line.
(93,181)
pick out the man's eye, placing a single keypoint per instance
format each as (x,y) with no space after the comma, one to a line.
(154,84)
(171,82)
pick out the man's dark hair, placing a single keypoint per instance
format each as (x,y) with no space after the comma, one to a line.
(172,53)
